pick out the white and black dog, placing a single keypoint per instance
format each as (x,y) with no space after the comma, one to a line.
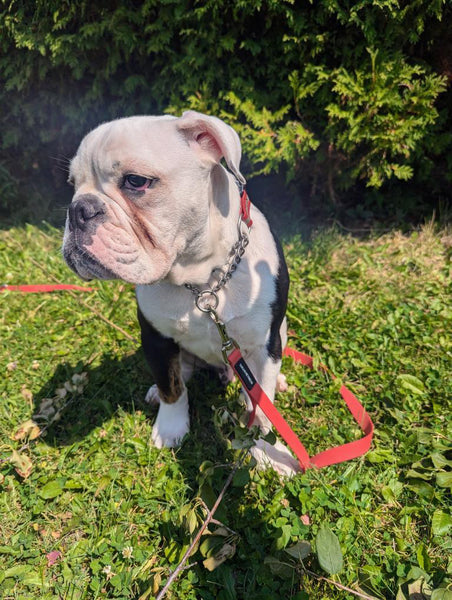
(153,206)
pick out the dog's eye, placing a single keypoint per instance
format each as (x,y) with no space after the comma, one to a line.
(137,182)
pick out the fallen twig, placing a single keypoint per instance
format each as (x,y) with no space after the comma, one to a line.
(339,585)
(209,518)
(86,305)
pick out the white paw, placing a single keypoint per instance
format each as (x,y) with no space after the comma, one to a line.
(281,383)
(172,423)
(276,457)
(152,397)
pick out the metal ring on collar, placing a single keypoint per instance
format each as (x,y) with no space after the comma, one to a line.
(202,296)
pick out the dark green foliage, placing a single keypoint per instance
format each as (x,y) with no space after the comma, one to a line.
(332,92)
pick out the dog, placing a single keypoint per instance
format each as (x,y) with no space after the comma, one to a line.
(154,206)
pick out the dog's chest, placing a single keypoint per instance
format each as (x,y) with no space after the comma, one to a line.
(174,315)
(179,319)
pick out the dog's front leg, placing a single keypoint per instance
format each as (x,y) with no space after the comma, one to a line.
(170,373)
(277,456)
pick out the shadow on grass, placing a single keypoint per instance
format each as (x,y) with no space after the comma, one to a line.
(121,384)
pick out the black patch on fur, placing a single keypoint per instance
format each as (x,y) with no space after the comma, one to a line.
(279,305)
(162,355)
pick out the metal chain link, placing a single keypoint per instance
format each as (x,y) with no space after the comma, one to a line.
(235,256)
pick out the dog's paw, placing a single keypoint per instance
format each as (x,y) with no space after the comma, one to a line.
(169,435)
(152,397)
(281,383)
(276,457)
(172,423)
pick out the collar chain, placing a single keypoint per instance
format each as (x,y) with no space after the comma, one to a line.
(207,300)
(227,270)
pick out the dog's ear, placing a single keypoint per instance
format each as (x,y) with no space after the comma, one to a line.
(212,139)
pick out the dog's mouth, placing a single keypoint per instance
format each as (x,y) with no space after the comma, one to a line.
(112,251)
(85,265)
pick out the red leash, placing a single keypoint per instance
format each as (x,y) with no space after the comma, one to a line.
(260,399)
(35,289)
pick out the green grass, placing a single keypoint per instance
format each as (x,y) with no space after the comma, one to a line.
(98,512)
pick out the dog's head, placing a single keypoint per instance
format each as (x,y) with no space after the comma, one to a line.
(142,192)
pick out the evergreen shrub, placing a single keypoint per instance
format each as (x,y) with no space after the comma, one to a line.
(334,93)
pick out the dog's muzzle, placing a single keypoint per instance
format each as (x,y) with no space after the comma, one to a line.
(85,212)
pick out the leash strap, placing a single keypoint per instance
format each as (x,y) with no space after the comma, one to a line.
(35,289)
(260,399)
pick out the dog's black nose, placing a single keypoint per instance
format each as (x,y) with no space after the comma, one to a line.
(83,209)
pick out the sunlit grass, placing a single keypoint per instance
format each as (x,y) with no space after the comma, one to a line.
(100,512)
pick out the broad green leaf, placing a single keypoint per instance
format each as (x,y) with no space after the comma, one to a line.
(192,521)
(103,482)
(441,594)
(52,489)
(425,475)
(33,578)
(300,550)
(380,455)
(422,488)
(116,581)
(444,480)
(270,438)
(284,538)
(328,550)
(440,461)
(17,571)
(277,567)
(411,384)
(241,477)
(392,491)
(423,559)
(441,522)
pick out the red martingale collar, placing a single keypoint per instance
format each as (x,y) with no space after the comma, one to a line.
(245,209)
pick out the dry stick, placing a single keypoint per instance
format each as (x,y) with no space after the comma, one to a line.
(208,519)
(86,305)
(339,585)
(74,295)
